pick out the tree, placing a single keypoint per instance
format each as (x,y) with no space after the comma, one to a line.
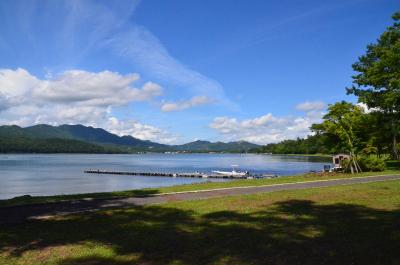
(377,82)
(345,121)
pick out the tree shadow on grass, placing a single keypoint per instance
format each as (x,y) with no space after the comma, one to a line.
(289,232)
(27,200)
(12,212)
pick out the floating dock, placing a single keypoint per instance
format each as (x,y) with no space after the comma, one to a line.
(178,175)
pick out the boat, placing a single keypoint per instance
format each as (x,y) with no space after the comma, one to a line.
(232,173)
(201,175)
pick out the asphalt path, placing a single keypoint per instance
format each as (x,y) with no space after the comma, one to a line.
(18,214)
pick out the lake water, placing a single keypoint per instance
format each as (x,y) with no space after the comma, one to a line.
(50,174)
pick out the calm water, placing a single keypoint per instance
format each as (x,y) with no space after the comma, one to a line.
(36,174)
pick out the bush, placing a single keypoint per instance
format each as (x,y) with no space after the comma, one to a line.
(345,164)
(372,163)
(393,164)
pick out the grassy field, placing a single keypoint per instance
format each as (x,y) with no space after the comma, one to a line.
(188,187)
(355,224)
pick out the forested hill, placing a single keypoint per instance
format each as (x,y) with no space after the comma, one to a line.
(206,146)
(316,144)
(85,134)
(50,145)
(46,138)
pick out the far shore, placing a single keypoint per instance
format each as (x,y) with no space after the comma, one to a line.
(317,155)
(140,153)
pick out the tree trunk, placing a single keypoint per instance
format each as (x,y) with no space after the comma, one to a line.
(352,164)
(394,148)
(394,140)
(351,168)
(355,166)
(359,167)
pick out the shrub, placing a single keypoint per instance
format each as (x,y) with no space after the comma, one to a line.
(345,164)
(372,163)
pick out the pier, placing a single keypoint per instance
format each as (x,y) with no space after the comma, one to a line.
(178,175)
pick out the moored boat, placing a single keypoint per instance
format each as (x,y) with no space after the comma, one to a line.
(232,173)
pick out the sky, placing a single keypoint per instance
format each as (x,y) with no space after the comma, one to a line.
(177,71)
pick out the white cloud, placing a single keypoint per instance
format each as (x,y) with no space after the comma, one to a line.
(14,83)
(265,120)
(186,104)
(140,131)
(267,128)
(225,125)
(311,106)
(75,86)
(76,97)
(4,102)
(366,109)
(103,88)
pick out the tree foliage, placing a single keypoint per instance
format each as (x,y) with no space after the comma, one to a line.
(377,79)
(353,129)
(346,121)
(313,144)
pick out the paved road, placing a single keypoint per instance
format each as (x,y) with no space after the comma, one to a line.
(16,214)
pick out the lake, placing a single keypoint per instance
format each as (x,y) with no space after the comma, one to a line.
(51,174)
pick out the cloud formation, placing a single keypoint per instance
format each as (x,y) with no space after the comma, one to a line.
(4,102)
(76,86)
(76,96)
(142,47)
(186,104)
(141,131)
(99,89)
(89,26)
(311,106)
(267,128)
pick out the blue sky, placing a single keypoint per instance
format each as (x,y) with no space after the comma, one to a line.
(175,71)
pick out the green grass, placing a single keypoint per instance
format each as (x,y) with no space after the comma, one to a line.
(354,224)
(187,187)
(280,180)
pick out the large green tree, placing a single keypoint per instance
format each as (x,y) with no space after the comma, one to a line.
(377,79)
(346,122)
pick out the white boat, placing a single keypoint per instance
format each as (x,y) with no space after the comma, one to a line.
(231,173)
(202,175)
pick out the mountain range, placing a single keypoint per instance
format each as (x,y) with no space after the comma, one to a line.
(66,138)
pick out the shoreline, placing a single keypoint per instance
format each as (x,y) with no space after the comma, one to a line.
(21,213)
(140,193)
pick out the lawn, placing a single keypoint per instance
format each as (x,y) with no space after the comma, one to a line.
(354,224)
(189,187)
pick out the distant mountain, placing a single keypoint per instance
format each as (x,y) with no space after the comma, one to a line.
(83,133)
(205,146)
(50,145)
(112,142)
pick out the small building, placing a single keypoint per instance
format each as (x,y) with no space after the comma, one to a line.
(338,161)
